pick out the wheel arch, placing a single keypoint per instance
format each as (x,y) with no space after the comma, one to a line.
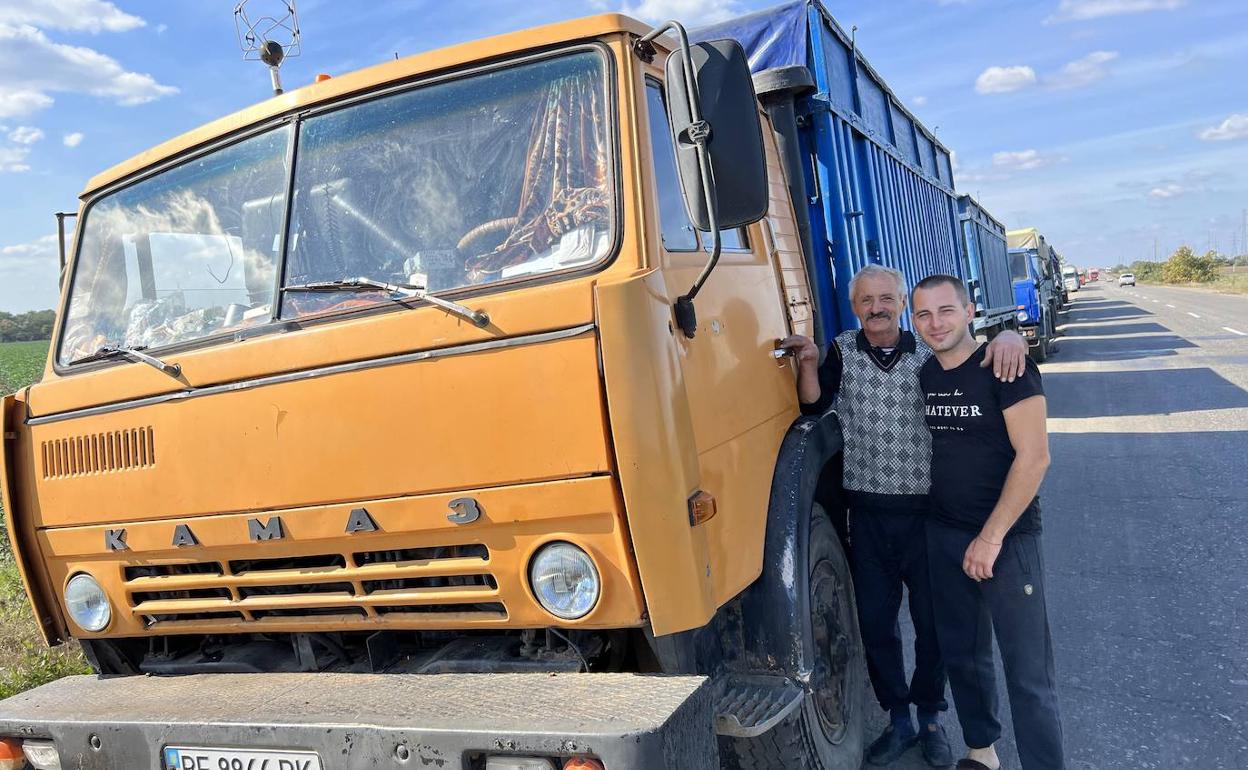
(806,471)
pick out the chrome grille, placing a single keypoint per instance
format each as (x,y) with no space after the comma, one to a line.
(426,582)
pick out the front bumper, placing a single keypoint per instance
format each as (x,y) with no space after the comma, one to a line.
(371,721)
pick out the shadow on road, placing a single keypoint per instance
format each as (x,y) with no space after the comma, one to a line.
(1079,329)
(1115,394)
(1108,313)
(1077,348)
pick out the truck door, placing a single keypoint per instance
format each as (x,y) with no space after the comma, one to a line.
(741,399)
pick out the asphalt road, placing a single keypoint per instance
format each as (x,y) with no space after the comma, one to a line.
(1145,511)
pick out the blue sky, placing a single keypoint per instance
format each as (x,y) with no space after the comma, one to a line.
(1112,125)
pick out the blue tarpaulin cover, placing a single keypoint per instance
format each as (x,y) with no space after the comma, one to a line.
(774,37)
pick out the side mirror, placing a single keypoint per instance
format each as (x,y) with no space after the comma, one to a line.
(719,143)
(723,92)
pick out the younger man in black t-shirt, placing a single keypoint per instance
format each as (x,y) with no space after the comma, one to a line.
(989,455)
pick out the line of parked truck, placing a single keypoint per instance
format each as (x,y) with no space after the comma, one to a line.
(484,425)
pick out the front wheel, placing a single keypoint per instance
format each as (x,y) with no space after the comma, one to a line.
(1040,353)
(826,731)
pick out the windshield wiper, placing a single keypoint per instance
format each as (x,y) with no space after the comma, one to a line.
(477,318)
(132,354)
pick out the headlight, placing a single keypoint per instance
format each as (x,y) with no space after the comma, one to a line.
(564,581)
(1021,315)
(87,603)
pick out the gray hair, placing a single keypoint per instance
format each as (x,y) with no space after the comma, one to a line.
(878,271)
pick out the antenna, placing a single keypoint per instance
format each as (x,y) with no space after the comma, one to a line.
(272,38)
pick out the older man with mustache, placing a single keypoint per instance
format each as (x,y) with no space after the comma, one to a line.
(872,377)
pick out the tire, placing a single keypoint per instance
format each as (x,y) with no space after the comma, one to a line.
(826,731)
(112,657)
(1040,353)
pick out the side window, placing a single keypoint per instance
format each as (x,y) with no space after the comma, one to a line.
(733,240)
(678,234)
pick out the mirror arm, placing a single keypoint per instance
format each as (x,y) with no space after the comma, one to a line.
(698,132)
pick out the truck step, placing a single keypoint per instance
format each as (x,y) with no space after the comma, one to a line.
(747,705)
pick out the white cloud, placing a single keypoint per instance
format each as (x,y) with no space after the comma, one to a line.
(25,135)
(1083,72)
(13,159)
(75,15)
(37,249)
(28,275)
(690,12)
(1022,160)
(21,101)
(72,140)
(1003,80)
(31,66)
(1166,191)
(1083,10)
(1234,127)
(919,101)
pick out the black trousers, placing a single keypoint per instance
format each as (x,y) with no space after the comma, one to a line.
(888,549)
(1011,603)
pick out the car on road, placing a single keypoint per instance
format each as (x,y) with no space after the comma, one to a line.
(1126,279)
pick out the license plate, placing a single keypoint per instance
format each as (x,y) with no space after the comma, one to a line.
(203,758)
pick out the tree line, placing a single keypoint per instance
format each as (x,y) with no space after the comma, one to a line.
(1183,266)
(25,327)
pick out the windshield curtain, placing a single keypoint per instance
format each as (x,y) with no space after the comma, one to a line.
(490,177)
(495,176)
(184,254)
(1018,266)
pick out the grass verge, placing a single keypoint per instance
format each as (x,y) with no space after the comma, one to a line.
(25,661)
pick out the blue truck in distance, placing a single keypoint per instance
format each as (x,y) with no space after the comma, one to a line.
(1038,290)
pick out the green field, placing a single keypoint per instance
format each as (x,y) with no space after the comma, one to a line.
(21,363)
(24,660)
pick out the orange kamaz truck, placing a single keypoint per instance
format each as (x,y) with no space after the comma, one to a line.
(431,416)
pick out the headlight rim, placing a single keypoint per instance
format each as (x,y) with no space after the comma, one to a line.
(108,605)
(537,552)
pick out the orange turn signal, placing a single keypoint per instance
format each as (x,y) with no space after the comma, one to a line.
(583,763)
(11,756)
(701,508)
(322,76)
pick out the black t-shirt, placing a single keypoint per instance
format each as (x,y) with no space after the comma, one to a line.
(971,449)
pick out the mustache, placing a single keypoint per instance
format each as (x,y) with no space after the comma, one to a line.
(882,314)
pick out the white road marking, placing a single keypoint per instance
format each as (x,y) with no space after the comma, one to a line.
(1169,306)
(1156,300)
(1193,315)
(1235,331)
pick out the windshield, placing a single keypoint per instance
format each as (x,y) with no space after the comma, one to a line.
(491,177)
(184,254)
(1069,272)
(1018,266)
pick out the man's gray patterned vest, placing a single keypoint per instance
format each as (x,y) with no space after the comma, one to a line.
(888,449)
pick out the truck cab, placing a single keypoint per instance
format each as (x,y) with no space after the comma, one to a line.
(1070,278)
(1034,301)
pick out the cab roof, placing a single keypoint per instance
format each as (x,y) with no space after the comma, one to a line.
(407,68)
